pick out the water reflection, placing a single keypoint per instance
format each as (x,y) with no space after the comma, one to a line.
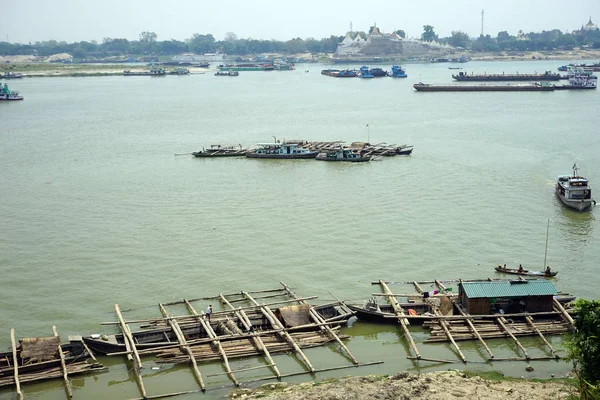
(576,227)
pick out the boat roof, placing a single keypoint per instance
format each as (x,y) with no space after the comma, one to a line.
(520,288)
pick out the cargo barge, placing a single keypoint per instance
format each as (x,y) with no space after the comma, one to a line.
(532,87)
(546,76)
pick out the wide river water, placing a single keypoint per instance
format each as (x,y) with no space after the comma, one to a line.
(95,208)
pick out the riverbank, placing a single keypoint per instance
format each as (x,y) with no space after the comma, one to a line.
(405,386)
(39,70)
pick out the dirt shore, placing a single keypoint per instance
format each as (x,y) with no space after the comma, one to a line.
(408,386)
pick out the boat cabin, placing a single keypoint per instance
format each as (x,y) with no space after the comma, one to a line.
(281,148)
(574,187)
(507,297)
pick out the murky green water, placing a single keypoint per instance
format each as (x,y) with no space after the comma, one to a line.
(95,209)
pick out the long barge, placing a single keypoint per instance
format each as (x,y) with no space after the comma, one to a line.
(534,87)
(546,76)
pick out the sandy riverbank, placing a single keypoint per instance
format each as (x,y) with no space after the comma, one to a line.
(408,386)
(37,70)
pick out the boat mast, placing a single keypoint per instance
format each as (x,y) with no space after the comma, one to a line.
(575,171)
(546,252)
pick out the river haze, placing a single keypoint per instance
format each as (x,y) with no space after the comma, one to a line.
(95,208)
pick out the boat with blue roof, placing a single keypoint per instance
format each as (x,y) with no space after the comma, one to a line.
(342,154)
(284,151)
(398,72)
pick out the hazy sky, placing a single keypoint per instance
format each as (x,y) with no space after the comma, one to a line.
(23,21)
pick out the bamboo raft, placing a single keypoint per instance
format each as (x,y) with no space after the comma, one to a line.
(446,326)
(365,149)
(42,358)
(253,329)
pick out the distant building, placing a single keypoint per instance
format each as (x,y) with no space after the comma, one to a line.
(590,26)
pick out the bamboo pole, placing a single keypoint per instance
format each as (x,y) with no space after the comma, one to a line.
(257,340)
(275,323)
(16,364)
(137,362)
(216,313)
(431,359)
(317,371)
(216,342)
(478,317)
(63,366)
(85,346)
(499,319)
(243,369)
(532,324)
(449,335)
(564,312)
(439,285)
(184,346)
(475,332)
(418,287)
(401,318)
(318,319)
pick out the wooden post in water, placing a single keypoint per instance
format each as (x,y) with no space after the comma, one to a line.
(257,340)
(444,326)
(499,319)
(401,317)
(276,324)
(16,364)
(184,346)
(211,334)
(63,366)
(137,362)
(319,320)
(535,328)
(564,312)
(473,329)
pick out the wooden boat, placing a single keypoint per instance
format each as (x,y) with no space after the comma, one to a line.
(216,150)
(285,150)
(179,71)
(525,272)
(384,313)
(574,191)
(154,71)
(342,154)
(158,334)
(227,73)
(39,359)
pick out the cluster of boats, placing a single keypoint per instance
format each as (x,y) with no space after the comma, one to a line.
(587,67)
(11,75)
(290,150)
(365,72)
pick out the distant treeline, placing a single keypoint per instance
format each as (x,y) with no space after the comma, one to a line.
(199,44)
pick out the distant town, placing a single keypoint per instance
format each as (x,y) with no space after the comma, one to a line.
(353,44)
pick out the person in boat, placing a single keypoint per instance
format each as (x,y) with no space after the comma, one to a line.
(520,268)
(548,272)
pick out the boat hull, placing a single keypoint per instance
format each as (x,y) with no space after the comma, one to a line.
(213,155)
(11,98)
(284,156)
(526,272)
(356,160)
(579,205)
(482,88)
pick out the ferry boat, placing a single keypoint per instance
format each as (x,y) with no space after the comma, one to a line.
(11,75)
(8,95)
(342,154)
(577,81)
(574,191)
(281,151)
(398,72)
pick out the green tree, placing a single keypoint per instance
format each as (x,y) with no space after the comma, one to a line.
(401,33)
(583,346)
(459,39)
(428,34)
(202,43)
(148,37)
(503,36)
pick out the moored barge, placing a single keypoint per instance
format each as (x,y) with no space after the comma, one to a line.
(532,87)
(546,76)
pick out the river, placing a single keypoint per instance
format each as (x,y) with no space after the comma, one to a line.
(96,209)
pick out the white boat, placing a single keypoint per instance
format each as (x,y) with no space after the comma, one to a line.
(285,150)
(575,191)
(342,154)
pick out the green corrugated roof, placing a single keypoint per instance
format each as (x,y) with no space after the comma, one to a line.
(477,290)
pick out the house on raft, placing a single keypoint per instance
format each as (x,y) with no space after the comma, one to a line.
(507,297)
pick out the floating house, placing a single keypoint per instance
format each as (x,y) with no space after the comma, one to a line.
(510,297)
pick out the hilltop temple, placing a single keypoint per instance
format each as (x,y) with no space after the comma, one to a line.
(381,46)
